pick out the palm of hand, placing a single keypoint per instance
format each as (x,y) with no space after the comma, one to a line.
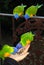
(21,54)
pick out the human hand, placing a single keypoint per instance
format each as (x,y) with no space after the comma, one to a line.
(22,53)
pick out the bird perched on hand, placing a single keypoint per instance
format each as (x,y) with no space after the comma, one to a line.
(26,38)
(7,50)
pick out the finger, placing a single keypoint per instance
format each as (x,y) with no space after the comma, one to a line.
(23,56)
(24,53)
(20,49)
(26,49)
(23,50)
(27,46)
(18,57)
(27,53)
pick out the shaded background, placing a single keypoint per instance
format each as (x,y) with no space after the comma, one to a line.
(36,56)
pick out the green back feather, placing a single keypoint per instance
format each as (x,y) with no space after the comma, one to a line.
(32,10)
(39,6)
(19,9)
(5,49)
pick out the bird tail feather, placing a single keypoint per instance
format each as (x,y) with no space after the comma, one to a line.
(39,6)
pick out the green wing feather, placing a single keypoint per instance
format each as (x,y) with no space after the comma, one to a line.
(32,10)
(1,54)
(6,49)
(19,10)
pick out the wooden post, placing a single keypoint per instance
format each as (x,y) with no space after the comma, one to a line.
(0,31)
(13,31)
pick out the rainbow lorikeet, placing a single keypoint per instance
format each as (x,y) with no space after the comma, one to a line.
(7,50)
(18,10)
(31,11)
(26,38)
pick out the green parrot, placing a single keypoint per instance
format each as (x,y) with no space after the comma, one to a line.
(26,38)
(32,10)
(6,51)
(19,10)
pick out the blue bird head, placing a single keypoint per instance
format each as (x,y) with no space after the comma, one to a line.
(15,50)
(16,16)
(18,46)
(26,16)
